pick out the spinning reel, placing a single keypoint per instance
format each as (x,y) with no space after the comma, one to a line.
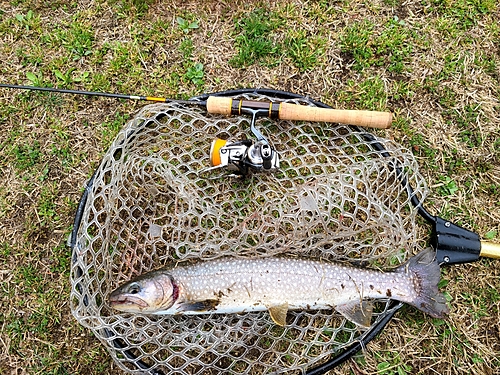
(245,156)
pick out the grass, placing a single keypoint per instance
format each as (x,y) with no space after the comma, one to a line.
(392,47)
(304,51)
(434,63)
(255,40)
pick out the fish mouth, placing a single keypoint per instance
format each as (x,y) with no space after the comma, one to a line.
(121,300)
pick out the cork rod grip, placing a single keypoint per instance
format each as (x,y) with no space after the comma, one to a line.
(219,105)
(370,119)
(490,250)
(295,112)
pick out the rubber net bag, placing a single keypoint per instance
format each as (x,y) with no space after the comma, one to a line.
(152,203)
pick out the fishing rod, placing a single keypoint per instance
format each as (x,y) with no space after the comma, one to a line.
(228,106)
(245,156)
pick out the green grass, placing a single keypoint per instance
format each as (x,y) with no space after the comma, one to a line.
(27,156)
(367,46)
(187,25)
(304,51)
(463,14)
(393,365)
(131,9)
(254,38)
(369,94)
(47,204)
(78,40)
(111,127)
(434,63)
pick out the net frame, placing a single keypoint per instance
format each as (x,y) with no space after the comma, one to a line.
(399,166)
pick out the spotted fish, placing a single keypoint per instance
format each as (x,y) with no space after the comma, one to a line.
(231,285)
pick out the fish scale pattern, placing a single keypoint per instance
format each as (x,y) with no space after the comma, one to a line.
(154,202)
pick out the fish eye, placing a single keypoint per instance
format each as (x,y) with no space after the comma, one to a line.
(134,288)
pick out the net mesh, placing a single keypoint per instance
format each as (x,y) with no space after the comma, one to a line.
(152,203)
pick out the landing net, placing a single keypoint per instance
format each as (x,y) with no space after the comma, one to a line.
(151,203)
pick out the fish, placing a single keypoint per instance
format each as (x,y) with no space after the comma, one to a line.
(277,284)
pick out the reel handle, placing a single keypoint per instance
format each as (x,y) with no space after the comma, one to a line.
(294,112)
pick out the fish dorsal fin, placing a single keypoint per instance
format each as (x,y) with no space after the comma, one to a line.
(278,313)
(358,312)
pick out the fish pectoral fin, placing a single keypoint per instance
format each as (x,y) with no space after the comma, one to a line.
(200,306)
(278,313)
(358,312)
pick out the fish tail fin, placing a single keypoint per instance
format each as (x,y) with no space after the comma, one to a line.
(425,273)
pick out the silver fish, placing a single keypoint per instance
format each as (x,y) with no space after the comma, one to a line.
(231,285)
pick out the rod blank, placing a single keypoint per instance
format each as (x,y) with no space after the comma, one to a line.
(103,94)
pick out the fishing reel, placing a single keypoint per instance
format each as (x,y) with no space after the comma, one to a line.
(245,156)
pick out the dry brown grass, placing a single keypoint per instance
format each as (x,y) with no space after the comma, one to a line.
(446,99)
